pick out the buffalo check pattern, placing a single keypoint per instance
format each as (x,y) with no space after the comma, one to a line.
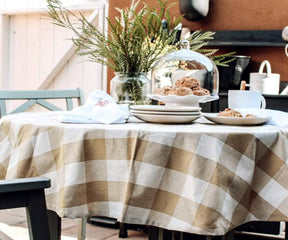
(197,178)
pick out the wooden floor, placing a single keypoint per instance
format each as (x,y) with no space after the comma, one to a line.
(13,226)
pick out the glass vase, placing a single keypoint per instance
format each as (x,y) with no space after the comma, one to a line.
(130,88)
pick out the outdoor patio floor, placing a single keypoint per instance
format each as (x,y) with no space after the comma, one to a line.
(13,226)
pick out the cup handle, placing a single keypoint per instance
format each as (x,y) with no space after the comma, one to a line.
(263,102)
(268,67)
(286,49)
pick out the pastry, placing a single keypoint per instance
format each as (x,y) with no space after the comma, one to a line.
(183,91)
(228,112)
(187,82)
(167,90)
(250,115)
(200,91)
(184,86)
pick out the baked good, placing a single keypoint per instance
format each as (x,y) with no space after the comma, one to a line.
(200,91)
(166,90)
(228,112)
(250,115)
(159,91)
(189,82)
(183,91)
(183,87)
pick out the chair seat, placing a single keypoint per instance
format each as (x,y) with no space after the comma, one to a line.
(24,184)
(29,193)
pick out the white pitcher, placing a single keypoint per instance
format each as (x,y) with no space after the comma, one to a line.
(267,83)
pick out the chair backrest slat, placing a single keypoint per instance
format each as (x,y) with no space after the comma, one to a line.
(48,105)
(69,103)
(23,107)
(3,111)
(39,97)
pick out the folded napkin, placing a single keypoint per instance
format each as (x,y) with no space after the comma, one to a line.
(278,118)
(99,108)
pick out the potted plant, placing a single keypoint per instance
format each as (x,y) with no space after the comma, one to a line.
(135,42)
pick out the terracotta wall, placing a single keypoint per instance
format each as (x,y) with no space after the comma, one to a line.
(238,15)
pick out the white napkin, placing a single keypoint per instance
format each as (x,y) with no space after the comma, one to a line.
(278,118)
(99,108)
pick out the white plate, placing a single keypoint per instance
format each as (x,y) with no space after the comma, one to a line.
(165,108)
(165,113)
(188,100)
(166,118)
(241,121)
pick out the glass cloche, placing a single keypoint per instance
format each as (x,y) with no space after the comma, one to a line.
(185,77)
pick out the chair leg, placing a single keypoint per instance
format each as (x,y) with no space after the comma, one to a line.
(37,216)
(228,236)
(82,228)
(286,230)
(54,225)
(123,233)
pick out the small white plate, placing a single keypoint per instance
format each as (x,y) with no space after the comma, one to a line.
(241,121)
(165,108)
(188,100)
(165,113)
(166,118)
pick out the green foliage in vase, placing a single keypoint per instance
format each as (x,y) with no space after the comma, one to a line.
(135,41)
(132,90)
(198,40)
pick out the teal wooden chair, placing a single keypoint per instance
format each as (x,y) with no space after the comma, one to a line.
(28,193)
(40,97)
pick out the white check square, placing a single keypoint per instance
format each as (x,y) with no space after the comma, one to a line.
(274,193)
(209,147)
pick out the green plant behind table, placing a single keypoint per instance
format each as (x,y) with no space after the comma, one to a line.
(134,89)
(135,41)
(198,40)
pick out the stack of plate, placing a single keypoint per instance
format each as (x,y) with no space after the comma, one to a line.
(165,114)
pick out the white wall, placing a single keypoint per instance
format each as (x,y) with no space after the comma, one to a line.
(36,54)
(24,5)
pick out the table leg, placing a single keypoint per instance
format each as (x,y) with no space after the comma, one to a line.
(123,232)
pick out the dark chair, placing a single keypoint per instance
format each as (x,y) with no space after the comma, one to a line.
(29,193)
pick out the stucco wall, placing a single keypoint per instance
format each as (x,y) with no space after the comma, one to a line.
(238,15)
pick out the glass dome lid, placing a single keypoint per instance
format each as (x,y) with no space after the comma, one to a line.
(185,77)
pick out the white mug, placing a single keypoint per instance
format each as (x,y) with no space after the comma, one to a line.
(245,99)
(267,83)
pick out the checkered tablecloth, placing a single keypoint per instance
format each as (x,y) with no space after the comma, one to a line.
(197,178)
